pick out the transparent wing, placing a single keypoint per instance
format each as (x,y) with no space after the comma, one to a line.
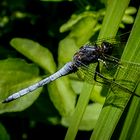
(126,78)
(128,74)
(120,75)
(87,72)
(116,40)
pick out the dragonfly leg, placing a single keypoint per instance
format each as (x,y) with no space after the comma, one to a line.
(107,81)
(98,74)
(100,60)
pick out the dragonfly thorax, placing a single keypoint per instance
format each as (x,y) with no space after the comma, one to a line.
(92,53)
(86,55)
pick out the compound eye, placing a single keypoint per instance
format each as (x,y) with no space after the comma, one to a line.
(104,45)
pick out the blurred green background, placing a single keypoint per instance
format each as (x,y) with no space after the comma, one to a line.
(36,39)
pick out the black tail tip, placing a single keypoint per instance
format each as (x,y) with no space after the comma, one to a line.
(6,101)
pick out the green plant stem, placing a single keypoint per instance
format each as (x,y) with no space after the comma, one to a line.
(107,121)
(131,126)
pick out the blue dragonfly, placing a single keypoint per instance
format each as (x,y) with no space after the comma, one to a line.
(99,53)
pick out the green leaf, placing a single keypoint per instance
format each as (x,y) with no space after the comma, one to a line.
(16,74)
(79,112)
(89,119)
(96,95)
(82,34)
(66,46)
(130,10)
(62,96)
(128,19)
(132,122)
(3,133)
(75,19)
(113,17)
(35,52)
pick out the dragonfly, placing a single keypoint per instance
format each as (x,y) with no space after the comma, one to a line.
(88,54)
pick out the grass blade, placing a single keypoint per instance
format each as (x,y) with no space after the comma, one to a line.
(113,110)
(78,114)
(131,126)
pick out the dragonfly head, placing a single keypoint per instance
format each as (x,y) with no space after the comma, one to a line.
(106,47)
